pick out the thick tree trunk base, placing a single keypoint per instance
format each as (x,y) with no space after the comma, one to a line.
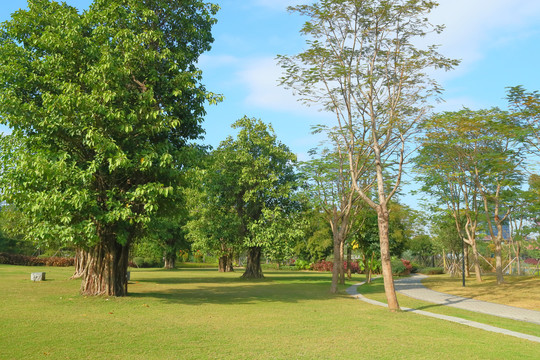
(170,263)
(81,264)
(253,266)
(107,270)
(225,264)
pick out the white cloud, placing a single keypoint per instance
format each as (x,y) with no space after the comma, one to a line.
(261,77)
(473,27)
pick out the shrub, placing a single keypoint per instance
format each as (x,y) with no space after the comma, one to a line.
(407,265)
(17,259)
(432,271)
(198,256)
(355,267)
(414,267)
(302,264)
(398,268)
(323,265)
(138,262)
(531,261)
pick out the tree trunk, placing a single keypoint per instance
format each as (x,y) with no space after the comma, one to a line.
(107,269)
(222,263)
(337,263)
(477,270)
(81,263)
(253,266)
(170,261)
(349,262)
(498,254)
(518,250)
(466,259)
(341,257)
(389,289)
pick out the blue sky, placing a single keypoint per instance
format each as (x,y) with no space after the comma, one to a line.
(498,42)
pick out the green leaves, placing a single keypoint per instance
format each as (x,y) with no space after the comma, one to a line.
(246,187)
(102,106)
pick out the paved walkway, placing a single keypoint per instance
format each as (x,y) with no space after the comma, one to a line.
(413,287)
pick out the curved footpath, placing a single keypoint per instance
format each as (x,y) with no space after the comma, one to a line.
(412,287)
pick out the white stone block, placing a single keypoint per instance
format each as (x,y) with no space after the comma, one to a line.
(38,276)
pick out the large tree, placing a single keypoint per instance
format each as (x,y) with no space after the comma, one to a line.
(248,191)
(102,105)
(362,64)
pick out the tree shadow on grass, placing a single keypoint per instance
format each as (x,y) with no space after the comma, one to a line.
(286,288)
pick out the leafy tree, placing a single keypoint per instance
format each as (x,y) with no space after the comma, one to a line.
(362,65)
(331,191)
(473,158)
(247,192)
(102,106)
(317,243)
(445,164)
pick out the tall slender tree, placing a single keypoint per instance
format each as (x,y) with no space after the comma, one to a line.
(362,65)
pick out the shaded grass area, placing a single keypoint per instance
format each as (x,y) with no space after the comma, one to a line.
(520,291)
(375,291)
(203,314)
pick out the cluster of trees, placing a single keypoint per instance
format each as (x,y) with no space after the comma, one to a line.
(106,108)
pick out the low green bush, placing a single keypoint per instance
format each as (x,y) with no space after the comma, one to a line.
(432,271)
(302,264)
(398,268)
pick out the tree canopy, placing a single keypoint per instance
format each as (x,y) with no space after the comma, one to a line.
(102,105)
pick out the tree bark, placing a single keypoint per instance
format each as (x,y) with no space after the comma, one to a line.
(341,257)
(81,263)
(466,259)
(337,263)
(107,269)
(253,266)
(349,262)
(497,241)
(478,272)
(170,261)
(389,289)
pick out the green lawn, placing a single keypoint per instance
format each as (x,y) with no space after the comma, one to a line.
(202,314)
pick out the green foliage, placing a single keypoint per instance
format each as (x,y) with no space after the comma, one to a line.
(102,105)
(302,264)
(244,195)
(431,270)
(398,268)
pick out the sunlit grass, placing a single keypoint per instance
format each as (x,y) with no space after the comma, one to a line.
(375,291)
(203,314)
(520,291)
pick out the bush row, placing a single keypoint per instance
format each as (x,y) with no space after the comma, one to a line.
(325,265)
(25,260)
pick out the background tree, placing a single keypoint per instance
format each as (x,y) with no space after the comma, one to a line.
(362,65)
(447,162)
(102,106)
(332,193)
(248,191)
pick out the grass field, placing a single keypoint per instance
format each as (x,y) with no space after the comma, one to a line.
(202,314)
(524,290)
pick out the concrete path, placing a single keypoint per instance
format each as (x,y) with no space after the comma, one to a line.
(412,287)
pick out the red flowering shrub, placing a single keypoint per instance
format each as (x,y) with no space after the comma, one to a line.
(407,265)
(355,267)
(531,261)
(323,265)
(25,260)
